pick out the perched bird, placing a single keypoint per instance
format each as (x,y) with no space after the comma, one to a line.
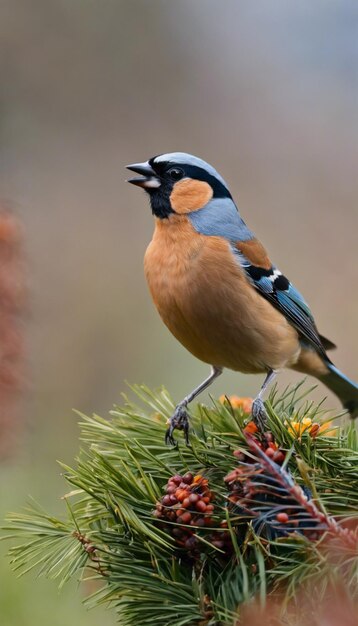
(218,292)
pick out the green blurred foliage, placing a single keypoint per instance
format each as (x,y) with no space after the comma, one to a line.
(266,91)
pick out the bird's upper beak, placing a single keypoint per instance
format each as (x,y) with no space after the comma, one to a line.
(148,180)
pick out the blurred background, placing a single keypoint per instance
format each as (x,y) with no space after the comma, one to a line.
(267,92)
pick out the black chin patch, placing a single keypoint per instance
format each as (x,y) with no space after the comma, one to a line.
(159,201)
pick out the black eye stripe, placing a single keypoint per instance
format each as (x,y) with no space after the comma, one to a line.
(195,172)
(219,190)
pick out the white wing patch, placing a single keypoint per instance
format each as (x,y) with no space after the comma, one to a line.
(275,274)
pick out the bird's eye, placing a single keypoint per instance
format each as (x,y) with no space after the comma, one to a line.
(176,173)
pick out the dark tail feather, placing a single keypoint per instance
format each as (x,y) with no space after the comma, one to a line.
(345,389)
(327,343)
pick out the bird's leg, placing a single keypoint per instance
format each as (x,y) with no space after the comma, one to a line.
(180,417)
(258,408)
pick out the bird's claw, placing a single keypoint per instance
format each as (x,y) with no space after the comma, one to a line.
(259,414)
(180,421)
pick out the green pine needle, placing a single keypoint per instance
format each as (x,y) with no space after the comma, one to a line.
(110,532)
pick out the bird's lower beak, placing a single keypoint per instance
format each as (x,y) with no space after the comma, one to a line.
(148,180)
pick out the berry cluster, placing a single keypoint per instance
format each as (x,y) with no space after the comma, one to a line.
(260,491)
(239,480)
(187,501)
(188,506)
(266,496)
(265,442)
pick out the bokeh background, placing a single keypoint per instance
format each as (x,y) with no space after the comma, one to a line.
(266,91)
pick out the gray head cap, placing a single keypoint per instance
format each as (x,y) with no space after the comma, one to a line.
(188,159)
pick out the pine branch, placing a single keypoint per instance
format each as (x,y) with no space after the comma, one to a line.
(189,535)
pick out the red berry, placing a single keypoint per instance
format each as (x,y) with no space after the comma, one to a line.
(166,501)
(200,522)
(186,503)
(191,543)
(278,457)
(282,518)
(200,506)
(176,479)
(188,478)
(209,508)
(193,498)
(270,453)
(173,499)
(185,518)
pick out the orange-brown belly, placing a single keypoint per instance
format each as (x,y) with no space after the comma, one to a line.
(205,300)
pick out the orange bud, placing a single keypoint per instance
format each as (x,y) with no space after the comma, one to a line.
(251,428)
(314,430)
(181,494)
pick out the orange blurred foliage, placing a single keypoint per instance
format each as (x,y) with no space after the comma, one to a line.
(335,608)
(238,402)
(12,307)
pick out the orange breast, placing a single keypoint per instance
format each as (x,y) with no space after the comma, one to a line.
(207,303)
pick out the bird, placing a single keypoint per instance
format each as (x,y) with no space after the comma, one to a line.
(218,292)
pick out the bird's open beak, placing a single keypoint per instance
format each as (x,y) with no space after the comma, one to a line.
(148,180)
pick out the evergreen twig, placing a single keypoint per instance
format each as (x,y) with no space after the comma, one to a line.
(188,536)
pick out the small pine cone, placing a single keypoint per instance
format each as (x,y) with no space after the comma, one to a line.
(187,502)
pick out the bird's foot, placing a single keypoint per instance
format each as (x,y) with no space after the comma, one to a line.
(179,420)
(259,414)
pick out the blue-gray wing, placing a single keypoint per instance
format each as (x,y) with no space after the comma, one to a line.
(276,288)
(220,218)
